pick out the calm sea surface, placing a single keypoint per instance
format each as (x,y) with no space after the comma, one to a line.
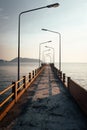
(8,72)
(77,72)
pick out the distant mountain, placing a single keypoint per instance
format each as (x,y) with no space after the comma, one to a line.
(25,60)
(1,61)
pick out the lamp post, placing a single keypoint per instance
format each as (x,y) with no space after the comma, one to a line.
(53,52)
(40,50)
(48,6)
(49,56)
(44,52)
(59,45)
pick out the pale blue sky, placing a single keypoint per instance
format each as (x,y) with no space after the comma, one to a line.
(70,19)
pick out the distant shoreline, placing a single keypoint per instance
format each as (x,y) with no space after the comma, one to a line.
(21,60)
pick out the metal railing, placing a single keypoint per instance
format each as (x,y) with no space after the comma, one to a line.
(77,92)
(15,90)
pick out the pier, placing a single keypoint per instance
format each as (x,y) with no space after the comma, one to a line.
(44,100)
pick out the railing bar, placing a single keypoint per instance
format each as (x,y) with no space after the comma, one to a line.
(6,99)
(6,89)
(20,87)
(19,80)
(27,80)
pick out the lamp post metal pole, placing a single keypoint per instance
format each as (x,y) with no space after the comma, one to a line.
(49,56)
(43,54)
(48,6)
(40,50)
(59,45)
(53,53)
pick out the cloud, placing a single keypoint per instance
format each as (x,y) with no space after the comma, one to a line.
(3,17)
(1,9)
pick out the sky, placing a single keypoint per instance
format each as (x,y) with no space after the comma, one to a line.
(69,19)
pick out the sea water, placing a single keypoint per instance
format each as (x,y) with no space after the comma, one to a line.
(77,72)
(8,72)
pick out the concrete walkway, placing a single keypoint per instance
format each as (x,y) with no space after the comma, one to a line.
(46,105)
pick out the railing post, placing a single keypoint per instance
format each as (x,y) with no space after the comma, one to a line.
(33,74)
(68,82)
(14,90)
(60,74)
(29,77)
(24,81)
(64,78)
(35,71)
(57,72)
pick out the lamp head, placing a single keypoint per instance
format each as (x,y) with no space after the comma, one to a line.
(44,29)
(49,41)
(53,5)
(46,46)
